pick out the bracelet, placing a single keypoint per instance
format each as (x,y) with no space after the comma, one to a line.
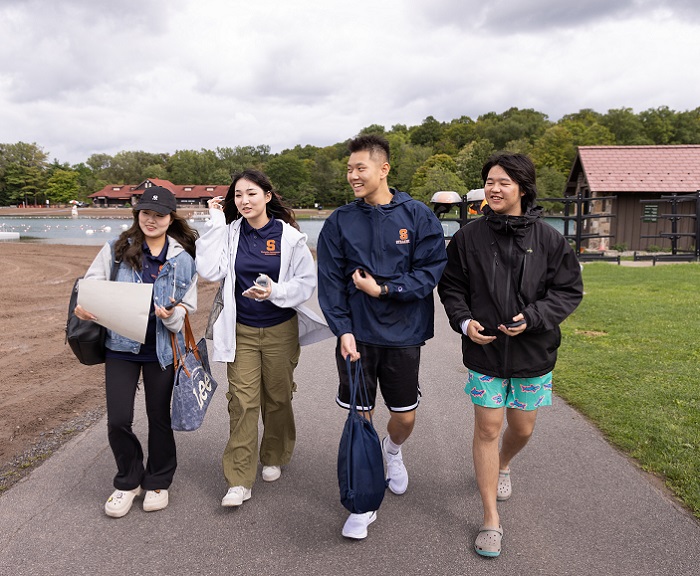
(383,291)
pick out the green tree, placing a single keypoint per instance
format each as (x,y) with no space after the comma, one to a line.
(460,132)
(513,124)
(88,181)
(687,127)
(595,135)
(291,177)
(437,178)
(193,167)
(551,184)
(626,127)
(428,133)
(23,169)
(63,186)
(425,176)
(406,158)
(555,149)
(373,129)
(157,171)
(233,160)
(129,167)
(99,162)
(471,160)
(24,184)
(327,176)
(658,124)
(585,116)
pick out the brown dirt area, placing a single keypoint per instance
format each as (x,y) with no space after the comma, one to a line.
(46,395)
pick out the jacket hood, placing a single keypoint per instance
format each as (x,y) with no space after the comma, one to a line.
(398,199)
(512,225)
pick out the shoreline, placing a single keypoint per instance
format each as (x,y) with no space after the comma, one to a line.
(126,213)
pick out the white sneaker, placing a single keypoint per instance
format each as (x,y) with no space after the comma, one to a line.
(119,503)
(236,496)
(356,525)
(395,470)
(271,473)
(155,500)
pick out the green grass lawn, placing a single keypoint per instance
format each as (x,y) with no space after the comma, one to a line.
(630,361)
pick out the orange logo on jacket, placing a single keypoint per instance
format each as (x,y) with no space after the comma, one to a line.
(403,237)
(270,248)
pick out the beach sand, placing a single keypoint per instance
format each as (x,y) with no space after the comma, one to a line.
(46,395)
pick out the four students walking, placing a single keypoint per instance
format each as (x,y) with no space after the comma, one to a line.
(507,280)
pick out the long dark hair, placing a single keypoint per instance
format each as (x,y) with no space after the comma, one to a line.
(275,207)
(129,246)
(521,170)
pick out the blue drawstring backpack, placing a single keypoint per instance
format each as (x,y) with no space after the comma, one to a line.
(360,463)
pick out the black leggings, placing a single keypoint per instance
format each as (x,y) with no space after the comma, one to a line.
(121,378)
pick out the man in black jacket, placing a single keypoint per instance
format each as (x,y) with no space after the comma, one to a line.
(510,280)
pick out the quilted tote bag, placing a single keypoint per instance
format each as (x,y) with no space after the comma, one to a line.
(85,337)
(360,464)
(194,385)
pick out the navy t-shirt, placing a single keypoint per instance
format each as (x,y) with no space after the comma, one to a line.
(258,253)
(150,268)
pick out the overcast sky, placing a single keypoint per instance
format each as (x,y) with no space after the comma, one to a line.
(80,77)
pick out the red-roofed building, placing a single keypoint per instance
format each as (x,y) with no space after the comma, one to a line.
(118,195)
(634,173)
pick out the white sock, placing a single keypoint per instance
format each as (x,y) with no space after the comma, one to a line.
(392,448)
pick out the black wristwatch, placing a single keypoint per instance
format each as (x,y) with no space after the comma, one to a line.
(383,291)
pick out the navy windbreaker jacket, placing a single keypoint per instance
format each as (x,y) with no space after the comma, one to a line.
(402,245)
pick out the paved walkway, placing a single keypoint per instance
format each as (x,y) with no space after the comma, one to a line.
(579,507)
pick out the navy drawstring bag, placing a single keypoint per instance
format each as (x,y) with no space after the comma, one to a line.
(361,475)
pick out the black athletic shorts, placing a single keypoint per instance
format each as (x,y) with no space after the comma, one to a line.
(396,370)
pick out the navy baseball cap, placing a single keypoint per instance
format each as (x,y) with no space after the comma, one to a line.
(158,199)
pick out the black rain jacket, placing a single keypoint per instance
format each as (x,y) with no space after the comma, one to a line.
(499,266)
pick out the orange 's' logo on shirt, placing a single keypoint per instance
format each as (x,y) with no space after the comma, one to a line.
(403,237)
(271,246)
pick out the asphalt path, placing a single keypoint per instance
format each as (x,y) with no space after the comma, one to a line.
(578,507)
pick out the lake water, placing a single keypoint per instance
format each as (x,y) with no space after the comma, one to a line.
(96,231)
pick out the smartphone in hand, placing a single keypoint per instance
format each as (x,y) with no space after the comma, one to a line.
(172,305)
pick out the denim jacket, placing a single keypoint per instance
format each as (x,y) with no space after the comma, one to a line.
(177,279)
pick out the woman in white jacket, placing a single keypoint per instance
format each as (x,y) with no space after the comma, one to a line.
(254,245)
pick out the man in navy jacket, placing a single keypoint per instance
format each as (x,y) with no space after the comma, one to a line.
(379,260)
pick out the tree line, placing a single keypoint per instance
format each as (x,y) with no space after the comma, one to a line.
(426,158)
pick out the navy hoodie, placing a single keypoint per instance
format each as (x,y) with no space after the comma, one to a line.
(400,244)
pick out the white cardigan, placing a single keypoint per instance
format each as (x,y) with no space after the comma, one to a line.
(216,256)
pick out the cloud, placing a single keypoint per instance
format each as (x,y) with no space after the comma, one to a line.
(70,46)
(81,77)
(507,18)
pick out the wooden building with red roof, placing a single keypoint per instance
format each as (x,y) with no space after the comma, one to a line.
(633,174)
(119,195)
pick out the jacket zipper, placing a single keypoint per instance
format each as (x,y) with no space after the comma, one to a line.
(506,348)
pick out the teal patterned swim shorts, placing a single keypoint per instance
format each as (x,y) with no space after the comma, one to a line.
(519,393)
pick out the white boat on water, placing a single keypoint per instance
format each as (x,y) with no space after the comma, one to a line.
(9,235)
